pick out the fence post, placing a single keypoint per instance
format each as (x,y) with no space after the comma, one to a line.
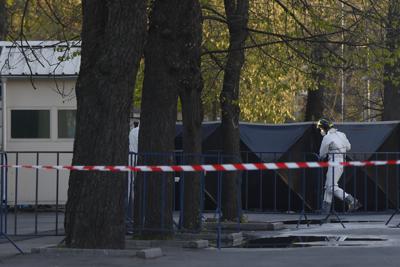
(239,177)
(303,196)
(219,189)
(3,218)
(36,194)
(202,197)
(397,194)
(57,190)
(3,203)
(16,194)
(376,184)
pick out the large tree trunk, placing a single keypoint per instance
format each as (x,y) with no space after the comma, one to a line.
(190,86)
(391,80)
(3,20)
(192,117)
(153,192)
(314,106)
(112,41)
(237,17)
(315,97)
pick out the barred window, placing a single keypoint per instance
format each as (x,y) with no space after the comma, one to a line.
(30,123)
(66,123)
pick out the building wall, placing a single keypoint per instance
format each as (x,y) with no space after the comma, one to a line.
(48,95)
(28,186)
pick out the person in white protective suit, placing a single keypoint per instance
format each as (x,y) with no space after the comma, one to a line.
(134,139)
(333,147)
(133,150)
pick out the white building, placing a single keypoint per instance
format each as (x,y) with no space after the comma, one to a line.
(38,96)
(38,114)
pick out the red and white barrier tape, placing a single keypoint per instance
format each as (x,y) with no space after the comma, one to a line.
(210,167)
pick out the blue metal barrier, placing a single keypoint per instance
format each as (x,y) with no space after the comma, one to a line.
(3,203)
(3,199)
(27,213)
(281,190)
(297,191)
(211,185)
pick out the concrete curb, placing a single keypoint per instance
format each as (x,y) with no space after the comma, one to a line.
(250,226)
(150,253)
(196,244)
(138,244)
(228,239)
(100,252)
(234,239)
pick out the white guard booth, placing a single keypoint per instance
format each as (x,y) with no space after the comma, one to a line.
(38,108)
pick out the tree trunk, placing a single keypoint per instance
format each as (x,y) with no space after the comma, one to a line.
(391,78)
(190,87)
(192,117)
(314,106)
(153,192)
(3,20)
(315,97)
(112,42)
(237,17)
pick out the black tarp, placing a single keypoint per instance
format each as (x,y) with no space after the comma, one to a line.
(277,190)
(366,138)
(261,143)
(376,187)
(285,189)
(206,130)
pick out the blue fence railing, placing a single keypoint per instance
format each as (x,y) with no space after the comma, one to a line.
(3,198)
(33,201)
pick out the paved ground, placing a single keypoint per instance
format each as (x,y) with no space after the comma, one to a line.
(334,254)
(311,257)
(23,223)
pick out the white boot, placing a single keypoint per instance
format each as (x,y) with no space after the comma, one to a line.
(352,203)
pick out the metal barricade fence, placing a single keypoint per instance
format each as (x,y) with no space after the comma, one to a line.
(33,200)
(3,204)
(281,190)
(36,198)
(210,188)
(377,187)
(3,197)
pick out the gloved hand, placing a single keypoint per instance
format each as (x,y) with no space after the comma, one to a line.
(325,158)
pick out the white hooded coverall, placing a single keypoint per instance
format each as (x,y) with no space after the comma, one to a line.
(133,139)
(334,144)
(133,147)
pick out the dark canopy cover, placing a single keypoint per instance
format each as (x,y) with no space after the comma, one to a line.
(300,142)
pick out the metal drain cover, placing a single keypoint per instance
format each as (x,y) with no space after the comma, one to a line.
(309,241)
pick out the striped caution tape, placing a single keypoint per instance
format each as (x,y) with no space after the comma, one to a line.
(210,167)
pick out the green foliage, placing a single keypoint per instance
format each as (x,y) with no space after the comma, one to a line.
(44,19)
(67,54)
(281,62)
(138,86)
(270,78)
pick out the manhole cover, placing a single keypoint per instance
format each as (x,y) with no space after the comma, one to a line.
(318,221)
(308,241)
(282,241)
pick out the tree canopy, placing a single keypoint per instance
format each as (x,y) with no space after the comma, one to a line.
(279,66)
